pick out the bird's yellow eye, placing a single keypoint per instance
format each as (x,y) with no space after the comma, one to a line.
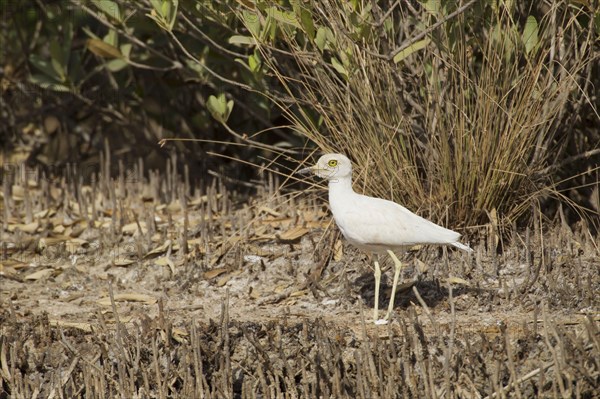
(332,163)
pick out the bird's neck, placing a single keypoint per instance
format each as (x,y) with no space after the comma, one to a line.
(340,185)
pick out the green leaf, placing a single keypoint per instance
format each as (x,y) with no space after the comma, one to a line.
(252,22)
(238,39)
(57,59)
(165,9)
(173,15)
(67,40)
(323,37)
(219,107)
(287,17)
(116,65)
(339,67)
(229,109)
(433,7)
(306,18)
(164,13)
(59,69)
(269,29)
(48,83)
(112,38)
(56,51)
(157,5)
(109,8)
(45,67)
(254,63)
(530,34)
(168,11)
(126,49)
(420,45)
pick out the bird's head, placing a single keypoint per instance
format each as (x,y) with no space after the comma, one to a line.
(331,166)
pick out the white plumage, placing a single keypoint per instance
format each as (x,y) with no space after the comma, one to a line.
(374,224)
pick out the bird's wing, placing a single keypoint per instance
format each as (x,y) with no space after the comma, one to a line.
(377,222)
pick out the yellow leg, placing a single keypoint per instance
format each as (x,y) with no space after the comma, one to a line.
(398,268)
(377,282)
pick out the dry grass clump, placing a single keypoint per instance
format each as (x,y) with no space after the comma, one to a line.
(454,111)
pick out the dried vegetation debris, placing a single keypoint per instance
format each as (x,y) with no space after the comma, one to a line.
(129,288)
(295,358)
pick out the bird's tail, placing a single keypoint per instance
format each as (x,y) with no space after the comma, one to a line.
(462,246)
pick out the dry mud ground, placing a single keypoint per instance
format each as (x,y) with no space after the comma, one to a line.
(128,289)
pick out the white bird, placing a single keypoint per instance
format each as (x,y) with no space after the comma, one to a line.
(374,224)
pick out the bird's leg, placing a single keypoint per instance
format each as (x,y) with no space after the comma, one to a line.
(398,268)
(377,282)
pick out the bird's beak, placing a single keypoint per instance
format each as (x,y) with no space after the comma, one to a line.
(306,171)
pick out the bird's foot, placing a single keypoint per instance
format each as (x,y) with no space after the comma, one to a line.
(385,320)
(381,322)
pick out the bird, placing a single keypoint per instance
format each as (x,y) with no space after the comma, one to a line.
(376,225)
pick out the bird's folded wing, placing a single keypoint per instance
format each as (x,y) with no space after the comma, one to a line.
(374,221)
